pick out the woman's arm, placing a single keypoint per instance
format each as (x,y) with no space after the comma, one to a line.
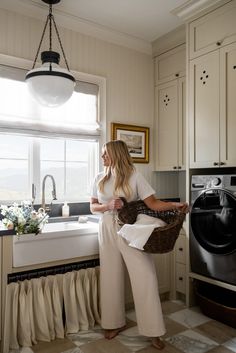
(157,205)
(96,207)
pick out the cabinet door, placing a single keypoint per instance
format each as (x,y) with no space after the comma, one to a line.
(228,106)
(167,126)
(180,278)
(213,30)
(170,65)
(204,111)
(182,123)
(180,249)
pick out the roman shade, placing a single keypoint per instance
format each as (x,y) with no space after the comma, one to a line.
(20,113)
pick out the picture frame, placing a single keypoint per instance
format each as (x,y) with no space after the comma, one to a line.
(136,138)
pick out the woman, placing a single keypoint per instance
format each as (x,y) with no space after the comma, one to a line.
(120,179)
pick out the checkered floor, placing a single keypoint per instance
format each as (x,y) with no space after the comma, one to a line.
(188,330)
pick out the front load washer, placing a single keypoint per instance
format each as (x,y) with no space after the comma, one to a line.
(213,227)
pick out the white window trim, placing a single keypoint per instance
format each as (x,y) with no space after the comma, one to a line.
(99,80)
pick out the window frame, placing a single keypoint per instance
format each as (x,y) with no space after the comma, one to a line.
(34,175)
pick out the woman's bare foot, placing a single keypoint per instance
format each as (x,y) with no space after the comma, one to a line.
(109,334)
(158,343)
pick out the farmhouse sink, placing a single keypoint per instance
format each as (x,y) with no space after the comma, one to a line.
(90,218)
(57,241)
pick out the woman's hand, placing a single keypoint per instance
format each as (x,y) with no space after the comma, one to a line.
(182,207)
(157,205)
(115,204)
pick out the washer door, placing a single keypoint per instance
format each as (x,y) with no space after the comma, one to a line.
(213,221)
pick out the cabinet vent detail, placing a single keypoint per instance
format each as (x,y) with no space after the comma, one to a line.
(204,77)
(166,99)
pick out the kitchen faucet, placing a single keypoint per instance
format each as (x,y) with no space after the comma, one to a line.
(54,196)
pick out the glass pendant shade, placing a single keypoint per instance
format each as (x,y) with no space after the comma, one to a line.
(50,84)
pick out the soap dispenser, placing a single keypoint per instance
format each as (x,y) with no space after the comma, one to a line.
(65,210)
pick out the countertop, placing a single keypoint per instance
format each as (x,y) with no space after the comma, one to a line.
(69,224)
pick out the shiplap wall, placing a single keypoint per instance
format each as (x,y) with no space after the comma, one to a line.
(129,74)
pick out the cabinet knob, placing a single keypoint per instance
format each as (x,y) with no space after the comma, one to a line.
(179,167)
(176,75)
(180,278)
(218,43)
(215,163)
(222,163)
(180,249)
(174,167)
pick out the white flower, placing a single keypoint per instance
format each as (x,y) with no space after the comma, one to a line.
(4,209)
(8,224)
(34,215)
(24,219)
(21,219)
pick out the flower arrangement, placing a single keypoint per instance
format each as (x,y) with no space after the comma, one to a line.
(23,218)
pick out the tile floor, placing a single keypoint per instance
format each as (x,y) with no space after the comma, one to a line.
(188,331)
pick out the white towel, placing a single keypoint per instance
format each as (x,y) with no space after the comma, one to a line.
(138,233)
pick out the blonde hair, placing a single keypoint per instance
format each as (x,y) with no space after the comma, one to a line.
(121,167)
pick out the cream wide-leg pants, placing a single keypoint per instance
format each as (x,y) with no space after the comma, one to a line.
(114,253)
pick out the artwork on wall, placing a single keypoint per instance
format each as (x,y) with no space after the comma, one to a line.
(136,138)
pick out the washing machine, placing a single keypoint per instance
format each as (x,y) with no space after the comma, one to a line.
(213,227)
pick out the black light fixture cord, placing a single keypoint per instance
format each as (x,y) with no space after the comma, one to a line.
(40,43)
(50,19)
(59,39)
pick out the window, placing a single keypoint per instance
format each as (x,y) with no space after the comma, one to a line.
(36,141)
(14,161)
(26,160)
(72,163)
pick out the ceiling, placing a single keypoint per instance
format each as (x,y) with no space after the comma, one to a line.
(142,21)
(145,19)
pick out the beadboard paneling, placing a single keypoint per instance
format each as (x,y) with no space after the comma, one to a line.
(129,73)
(166,184)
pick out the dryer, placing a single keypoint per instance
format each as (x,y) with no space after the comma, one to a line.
(213,227)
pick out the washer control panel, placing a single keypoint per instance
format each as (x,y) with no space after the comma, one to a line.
(202,182)
(216,181)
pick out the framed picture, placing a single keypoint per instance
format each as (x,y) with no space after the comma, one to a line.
(136,138)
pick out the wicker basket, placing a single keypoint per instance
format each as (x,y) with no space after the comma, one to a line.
(162,239)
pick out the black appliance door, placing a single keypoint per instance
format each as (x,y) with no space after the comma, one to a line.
(213,221)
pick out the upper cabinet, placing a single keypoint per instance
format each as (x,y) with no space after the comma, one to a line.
(170,65)
(213,30)
(170,110)
(212,104)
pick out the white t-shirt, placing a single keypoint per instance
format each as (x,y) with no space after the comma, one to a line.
(139,186)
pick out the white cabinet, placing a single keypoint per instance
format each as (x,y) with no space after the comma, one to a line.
(170,123)
(180,264)
(213,30)
(170,110)
(170,65)
(212,109)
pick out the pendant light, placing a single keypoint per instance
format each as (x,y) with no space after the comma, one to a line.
(50,84)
